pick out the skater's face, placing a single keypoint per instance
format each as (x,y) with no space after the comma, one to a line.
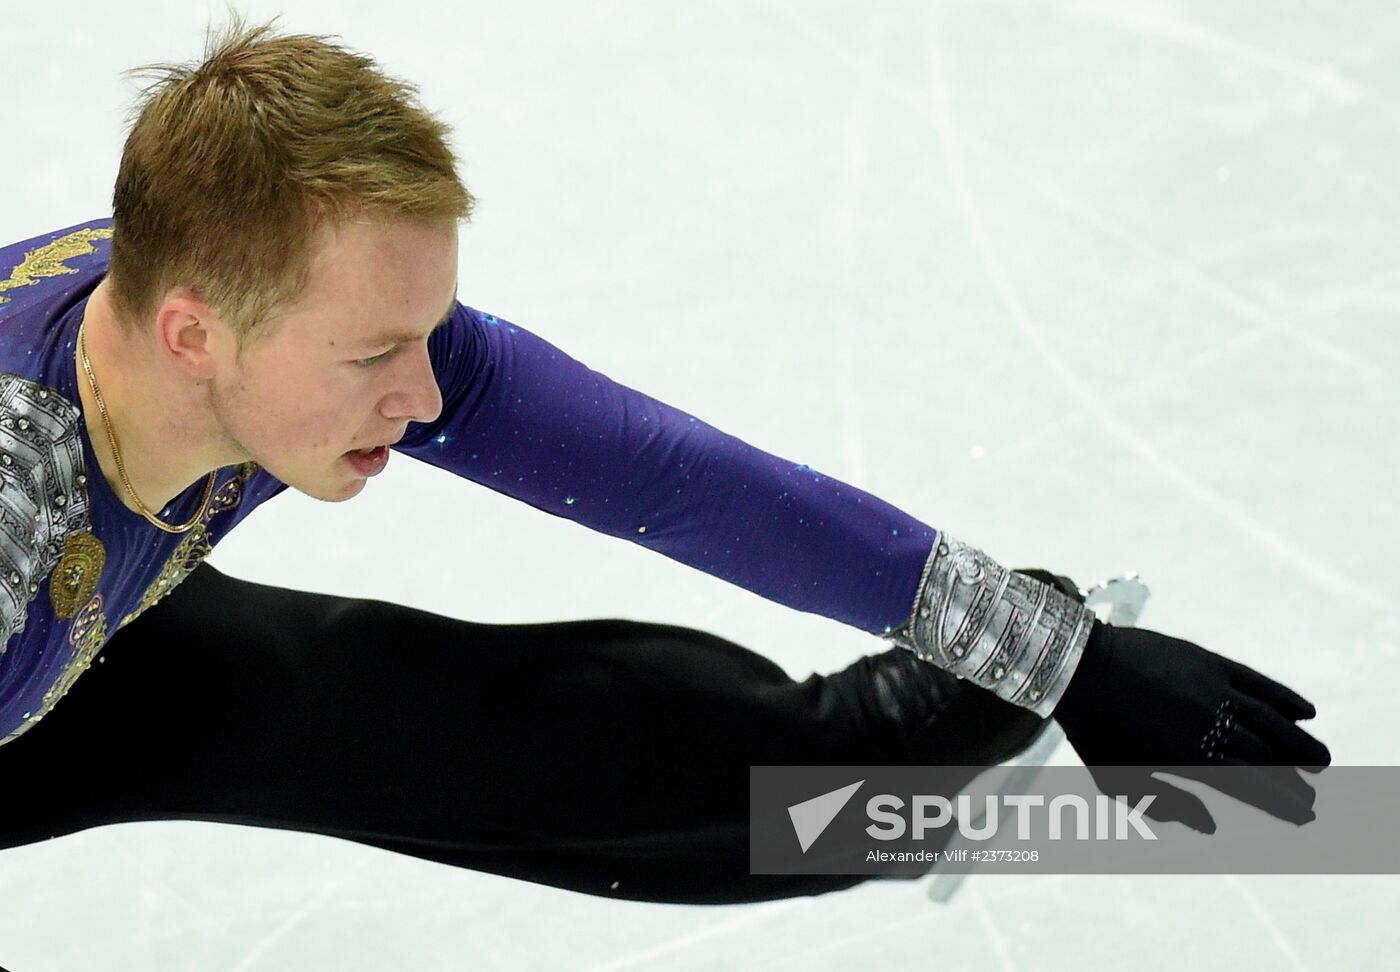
(346,367)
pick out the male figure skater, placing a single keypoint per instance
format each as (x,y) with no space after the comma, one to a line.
(274,303)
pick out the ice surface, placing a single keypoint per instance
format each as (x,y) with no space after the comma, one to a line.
(1094,285)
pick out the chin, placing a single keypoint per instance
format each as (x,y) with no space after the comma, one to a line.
(331,492)
(347,491)
(351,491)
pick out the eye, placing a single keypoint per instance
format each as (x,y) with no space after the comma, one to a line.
(367,362)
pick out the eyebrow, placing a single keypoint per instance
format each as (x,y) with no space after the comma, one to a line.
(403,337)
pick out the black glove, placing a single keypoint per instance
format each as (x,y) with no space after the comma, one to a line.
(1141,701)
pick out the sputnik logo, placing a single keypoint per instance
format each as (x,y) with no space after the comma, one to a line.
(811,817)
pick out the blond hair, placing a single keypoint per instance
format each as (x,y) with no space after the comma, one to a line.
(233,165)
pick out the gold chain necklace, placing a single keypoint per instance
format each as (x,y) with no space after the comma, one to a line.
(117,453)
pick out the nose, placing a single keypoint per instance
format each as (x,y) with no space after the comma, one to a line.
(415,396)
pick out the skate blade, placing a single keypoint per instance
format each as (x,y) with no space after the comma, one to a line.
(1119,600)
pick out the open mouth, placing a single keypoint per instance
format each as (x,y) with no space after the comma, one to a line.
(368,462)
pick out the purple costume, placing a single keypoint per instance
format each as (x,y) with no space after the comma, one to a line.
(519,416)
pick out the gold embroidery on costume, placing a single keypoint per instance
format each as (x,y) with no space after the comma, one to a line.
(226,497)
(47,260)
(87,635)
(76,576)
(195,546)
(73,580)
(188,554)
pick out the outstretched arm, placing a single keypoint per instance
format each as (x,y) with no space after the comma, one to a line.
(523,418)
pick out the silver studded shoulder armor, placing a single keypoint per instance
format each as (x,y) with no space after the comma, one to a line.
(43,491)
(999,629)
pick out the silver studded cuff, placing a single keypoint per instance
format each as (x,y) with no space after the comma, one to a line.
(998,629)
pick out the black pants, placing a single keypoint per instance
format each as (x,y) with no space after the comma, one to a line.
(604,756)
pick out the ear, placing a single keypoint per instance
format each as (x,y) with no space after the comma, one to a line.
(191,334)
